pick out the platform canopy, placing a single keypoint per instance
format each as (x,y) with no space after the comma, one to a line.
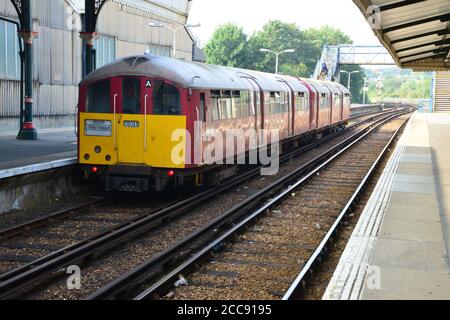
(415,32)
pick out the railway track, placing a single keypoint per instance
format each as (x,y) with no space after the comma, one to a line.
(19,280)
(260,255)
(121,287)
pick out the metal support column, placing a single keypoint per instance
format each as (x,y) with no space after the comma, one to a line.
(23,8)
(92,10)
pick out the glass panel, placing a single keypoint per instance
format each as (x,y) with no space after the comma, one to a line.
(166,99)
(112,50)
(99,98)
(213,110)
(202,107)
(11,38)
(100,51)
(225,105)
(131,93)
(2,48)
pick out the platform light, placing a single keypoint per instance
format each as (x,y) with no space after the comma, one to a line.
(174,31)
(277,54)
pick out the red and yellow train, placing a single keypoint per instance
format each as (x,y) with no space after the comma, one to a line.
(129,110)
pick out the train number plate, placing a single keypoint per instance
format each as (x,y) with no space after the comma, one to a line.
(98,128)
(131,124)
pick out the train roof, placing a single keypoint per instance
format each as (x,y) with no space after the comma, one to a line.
(196,75)
(343,89)
(319,86)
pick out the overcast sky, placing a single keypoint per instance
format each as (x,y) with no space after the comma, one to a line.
(253,14)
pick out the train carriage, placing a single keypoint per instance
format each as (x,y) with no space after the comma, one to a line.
(324,104)
(142,119)
(336,103)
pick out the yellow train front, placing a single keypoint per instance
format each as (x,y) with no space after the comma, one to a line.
(126,121)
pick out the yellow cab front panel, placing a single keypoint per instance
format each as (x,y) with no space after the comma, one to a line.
(127,131)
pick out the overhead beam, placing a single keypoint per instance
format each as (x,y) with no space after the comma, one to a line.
(441,32)
(442,18)
(434,43)
(399,4)
(434,57)
(442,50)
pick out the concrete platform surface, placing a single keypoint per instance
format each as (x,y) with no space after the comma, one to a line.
(401,244)
(17,156)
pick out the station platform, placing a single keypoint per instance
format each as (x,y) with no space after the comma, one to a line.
(55,148)
(400,247)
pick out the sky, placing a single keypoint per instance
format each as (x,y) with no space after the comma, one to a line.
(253,14)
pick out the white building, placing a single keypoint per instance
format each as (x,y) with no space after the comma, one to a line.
(58,51)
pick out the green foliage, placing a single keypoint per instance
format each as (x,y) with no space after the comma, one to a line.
(399,84)
(276,36)
(357,82)
(316,39)
(228,46)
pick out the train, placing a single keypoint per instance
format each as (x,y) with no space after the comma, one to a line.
(130,110)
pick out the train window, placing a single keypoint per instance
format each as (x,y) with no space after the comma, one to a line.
(236,105)
(131,96)
(300,102)
(267,103)
(347,99)
(225,105)
(284,102)
(213,110)
(166,99)
(323,101)
(275,102)
(245,104)
(257,109)
(337,100)
(202,107)
(99,97)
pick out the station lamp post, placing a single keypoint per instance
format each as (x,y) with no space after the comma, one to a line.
(349,77)
(174,32)
(277,54)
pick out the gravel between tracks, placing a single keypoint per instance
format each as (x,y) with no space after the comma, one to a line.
(259,272)
(127,256)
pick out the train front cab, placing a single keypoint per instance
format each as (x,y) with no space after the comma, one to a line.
(125,130)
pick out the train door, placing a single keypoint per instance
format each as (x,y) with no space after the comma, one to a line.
(132,120)
(256,105)
(200,127)
(291,108)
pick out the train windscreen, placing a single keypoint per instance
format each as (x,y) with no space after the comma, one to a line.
(131,103)
(166,99)
(99,97)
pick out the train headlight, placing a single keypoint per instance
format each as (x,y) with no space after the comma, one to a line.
(87,157)
(108,158)
(98,149)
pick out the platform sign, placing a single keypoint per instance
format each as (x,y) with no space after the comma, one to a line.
(98,128)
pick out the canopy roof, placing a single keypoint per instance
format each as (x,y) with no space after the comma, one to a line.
(415,32)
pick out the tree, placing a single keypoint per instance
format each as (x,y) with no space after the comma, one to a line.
(230,46)
(277,36)
(227,46)
(316,39)
(357,82)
